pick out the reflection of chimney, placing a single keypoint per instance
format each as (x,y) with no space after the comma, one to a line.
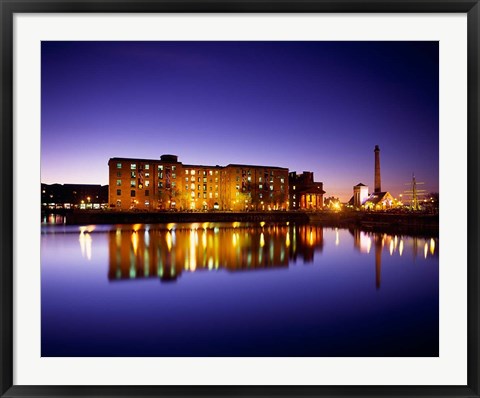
(378,185)
(378,260)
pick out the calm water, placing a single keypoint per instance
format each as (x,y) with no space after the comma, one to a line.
(237,290)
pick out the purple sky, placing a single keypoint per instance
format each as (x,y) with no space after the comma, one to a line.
(318,106)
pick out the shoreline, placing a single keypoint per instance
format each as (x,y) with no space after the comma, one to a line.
(409,223)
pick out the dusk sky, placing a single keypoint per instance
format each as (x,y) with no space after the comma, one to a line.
(316,106)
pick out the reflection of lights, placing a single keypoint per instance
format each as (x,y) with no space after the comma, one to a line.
(205,225)
(234,239)
(210,263)
(168,237)
(400,247)
(262,240)
(204,238)
(432,246)
(135,241)
(171,226)
(287,239)
(193,256)
(337,237)
(236,224)
(136,227)
(425,249)
(369,245)
(395,243)
(391,247)
(310,238)
(85,244)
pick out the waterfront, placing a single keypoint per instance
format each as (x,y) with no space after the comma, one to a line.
(237,289)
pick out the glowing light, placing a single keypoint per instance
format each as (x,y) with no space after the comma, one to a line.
(287,240)
(337,237)
(310,238)
(400,248)
(136,227)
(262,224)
(193,257)
(425,250)
(432,246)
(168,237)
(391,247)
(395,243)
(236,224)
(171,226)
(204,239)
(135,241)
(369,245)
(234,239)
(262,240)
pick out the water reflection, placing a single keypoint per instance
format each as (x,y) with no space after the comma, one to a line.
(394,244)
(166,252)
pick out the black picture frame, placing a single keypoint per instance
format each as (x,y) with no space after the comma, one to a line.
(7,201)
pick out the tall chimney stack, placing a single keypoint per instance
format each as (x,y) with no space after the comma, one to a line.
(378,184)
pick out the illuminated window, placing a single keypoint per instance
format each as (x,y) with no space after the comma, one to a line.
(238,178)
(294,187)
(174,175)
(204,187)
(210,172)
(147,183)
(216,171)
(204,172)
(132,193)
(147,174)
(119,203)
(216,187)
(192,179)
(199,179)
(133,166)
(160,184)
(260,196)
(199,187)
(205,195)
(204,179)
(119,192)
(271,187)
(237,187)
(192,194)
(216,179)
(210,195)
(249,179)
(271,195)
(160,167)
(282,180)
(119,165)
(132,174)
(293,196)
(174,168)
(216,194)
(119,183)
(198,195)
(260,186)
(160,174)
(192,186)
(147,167)
(174,184)
(186,187)
(147,192)
(187,171)
(271,179)
(281,187)
(132,183)
(193,172)
(147,203)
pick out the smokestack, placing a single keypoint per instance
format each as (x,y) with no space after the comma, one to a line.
(378,184)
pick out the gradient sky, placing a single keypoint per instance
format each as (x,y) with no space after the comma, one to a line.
(317,106)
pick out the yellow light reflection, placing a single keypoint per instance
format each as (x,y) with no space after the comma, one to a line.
(262,240)
(236,224)
(168,237)
(234,239)
(171,226)
(400,247)
(193,245)
(432,246)
(135,241)
(262,224)
(136,227)
(425,249)
(204,239)
(337,237)
(391,247)
(287,240)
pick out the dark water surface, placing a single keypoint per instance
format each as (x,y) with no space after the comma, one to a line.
(237,290)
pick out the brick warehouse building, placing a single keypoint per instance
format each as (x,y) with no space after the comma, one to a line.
(150,184)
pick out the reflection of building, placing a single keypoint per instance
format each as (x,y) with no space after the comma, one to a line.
(67,196)
(167,253)
(304,193)
(169,184)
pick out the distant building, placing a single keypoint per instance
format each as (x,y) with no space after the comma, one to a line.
(379,201)
(70,196)
(304,193)
(165,184)
(360,195)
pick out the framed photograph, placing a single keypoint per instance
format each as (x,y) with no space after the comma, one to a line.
(236,198)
